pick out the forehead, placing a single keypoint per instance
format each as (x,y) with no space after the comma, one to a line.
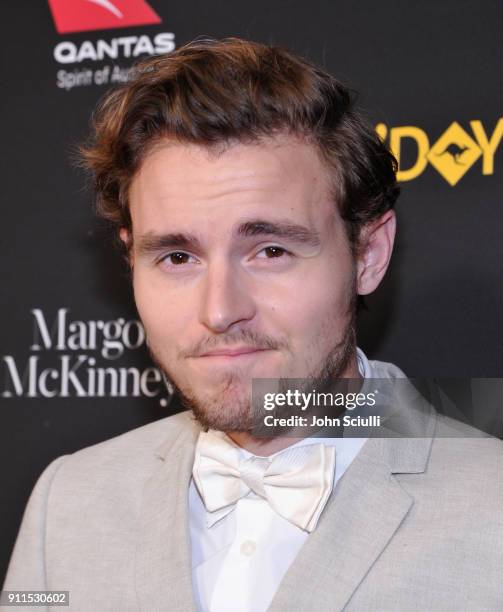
(180,183)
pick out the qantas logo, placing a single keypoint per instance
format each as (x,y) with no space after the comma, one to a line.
(84,15)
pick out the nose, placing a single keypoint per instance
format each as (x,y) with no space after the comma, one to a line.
(226,298)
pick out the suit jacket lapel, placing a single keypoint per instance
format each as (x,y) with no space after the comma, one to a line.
(366,509)
(163,565)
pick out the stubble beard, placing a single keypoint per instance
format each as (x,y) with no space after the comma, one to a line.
(229,408)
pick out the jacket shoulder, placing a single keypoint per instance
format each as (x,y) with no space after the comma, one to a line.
(469,449)
(125,458)
(147,436)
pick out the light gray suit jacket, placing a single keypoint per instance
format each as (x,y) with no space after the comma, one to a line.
(414,524)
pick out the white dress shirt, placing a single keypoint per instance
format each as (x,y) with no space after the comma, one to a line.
(239,561)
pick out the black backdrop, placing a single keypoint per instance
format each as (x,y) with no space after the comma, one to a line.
(420,65)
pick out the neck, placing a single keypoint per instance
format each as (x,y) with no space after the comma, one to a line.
(264,447)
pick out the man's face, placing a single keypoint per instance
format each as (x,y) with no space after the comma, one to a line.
(241,270)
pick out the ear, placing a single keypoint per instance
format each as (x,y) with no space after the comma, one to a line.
(127,239)
(375,248)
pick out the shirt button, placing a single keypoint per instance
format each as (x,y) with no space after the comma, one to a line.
(248,548)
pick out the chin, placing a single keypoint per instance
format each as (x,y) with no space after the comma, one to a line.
(224,416)
(228,409)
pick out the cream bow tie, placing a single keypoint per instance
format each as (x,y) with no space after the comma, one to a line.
(296,482)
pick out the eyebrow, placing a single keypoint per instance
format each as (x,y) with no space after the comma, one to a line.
(290,231)
(151,243)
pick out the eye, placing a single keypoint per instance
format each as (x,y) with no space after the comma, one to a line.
(272,252)
(177,258)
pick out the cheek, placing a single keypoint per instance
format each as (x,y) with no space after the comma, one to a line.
(317,291)
(310,310)
(162,316)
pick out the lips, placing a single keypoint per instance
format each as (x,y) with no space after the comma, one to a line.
(233,352)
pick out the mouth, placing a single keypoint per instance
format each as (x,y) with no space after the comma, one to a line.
(231,354)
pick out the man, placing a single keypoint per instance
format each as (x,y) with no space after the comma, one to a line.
(255,205)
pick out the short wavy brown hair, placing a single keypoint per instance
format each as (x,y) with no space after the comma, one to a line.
(216,92)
